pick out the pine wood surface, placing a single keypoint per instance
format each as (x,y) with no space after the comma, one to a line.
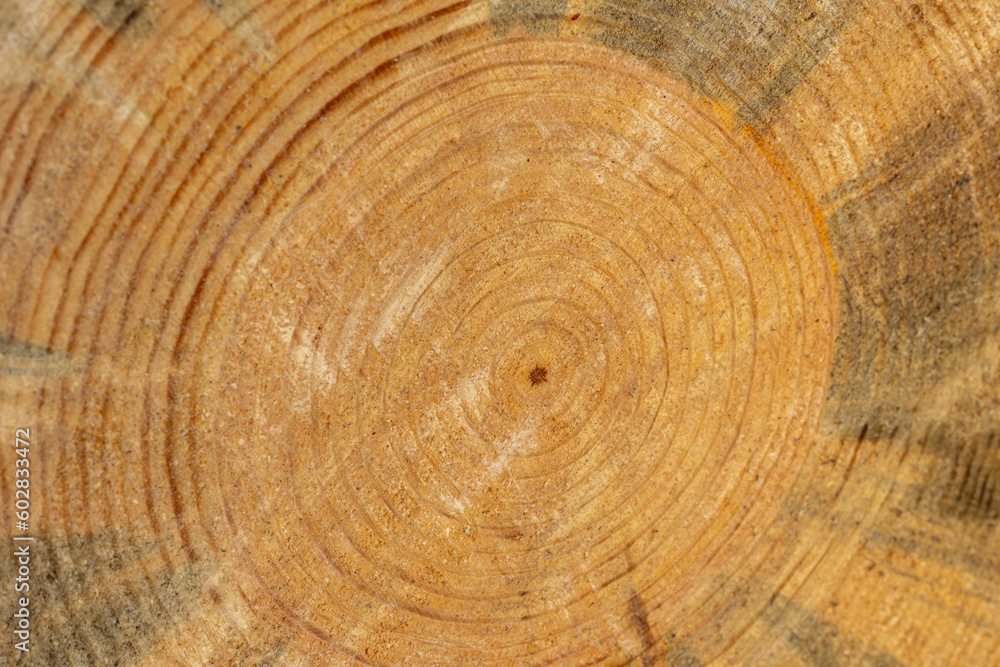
(515,332)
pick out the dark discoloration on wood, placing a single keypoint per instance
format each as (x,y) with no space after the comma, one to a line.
(237,16)
(749,60)
(535,17)
(94,604)
(640,623)
(950,515)
(18,357)
(14,347)
(118,15)
(964,483)
(230,12)
(818,640)
(18,27)
(917,247)
(271,660)
(679,655)
(962,552)
(918,348)
(258,645)
(671,651)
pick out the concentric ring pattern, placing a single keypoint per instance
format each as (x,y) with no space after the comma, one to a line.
(433,476)
(500,333)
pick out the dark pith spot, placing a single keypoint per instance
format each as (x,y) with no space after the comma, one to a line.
(538,375)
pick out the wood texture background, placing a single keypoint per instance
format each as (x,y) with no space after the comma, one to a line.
(503,332)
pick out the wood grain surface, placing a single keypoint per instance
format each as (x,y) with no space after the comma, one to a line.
(502,332)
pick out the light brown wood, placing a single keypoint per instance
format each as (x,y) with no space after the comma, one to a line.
(509,332)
